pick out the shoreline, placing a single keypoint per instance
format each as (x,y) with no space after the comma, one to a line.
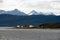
(12,28)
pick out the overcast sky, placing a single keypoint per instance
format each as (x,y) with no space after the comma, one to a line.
(29,5)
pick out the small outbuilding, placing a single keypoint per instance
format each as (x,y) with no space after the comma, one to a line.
(31,26)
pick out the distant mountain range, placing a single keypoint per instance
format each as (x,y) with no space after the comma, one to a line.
(33,12)
(13,12)
(13,20)
(16,17)
(20,13)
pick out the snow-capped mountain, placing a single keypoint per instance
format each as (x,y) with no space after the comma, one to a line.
(2,11)
(13,12)
(16,12)
(40,13)
(20,13)
(49,13)
(33,12)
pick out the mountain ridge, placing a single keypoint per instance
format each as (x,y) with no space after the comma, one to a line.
(20,13)
(14,20)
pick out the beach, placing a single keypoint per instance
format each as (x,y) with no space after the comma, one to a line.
(29,34)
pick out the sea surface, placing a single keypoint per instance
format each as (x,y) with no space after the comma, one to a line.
(29,34)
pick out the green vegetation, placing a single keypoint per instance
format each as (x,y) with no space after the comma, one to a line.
(50,25)
(42,26)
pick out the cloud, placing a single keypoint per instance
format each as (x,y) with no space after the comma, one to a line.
(56,0)
(28,5)
(1,1)
(56,5)
(39,6)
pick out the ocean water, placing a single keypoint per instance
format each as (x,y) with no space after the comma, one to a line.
(29,34)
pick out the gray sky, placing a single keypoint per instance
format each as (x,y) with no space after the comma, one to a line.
(29,5)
